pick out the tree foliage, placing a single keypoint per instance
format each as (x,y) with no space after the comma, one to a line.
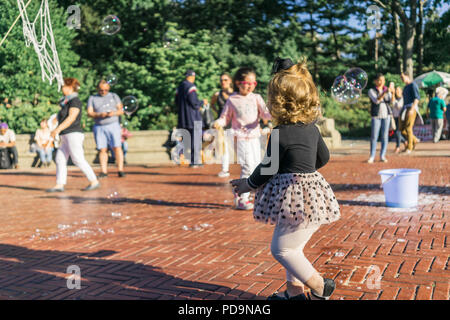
(213,36)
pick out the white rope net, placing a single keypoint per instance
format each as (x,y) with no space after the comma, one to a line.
(39,33)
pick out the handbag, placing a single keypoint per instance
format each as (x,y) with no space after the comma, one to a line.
(207,116)
(393,125)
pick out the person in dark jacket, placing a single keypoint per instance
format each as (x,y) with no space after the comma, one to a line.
(189,116)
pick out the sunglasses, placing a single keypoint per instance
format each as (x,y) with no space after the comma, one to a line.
(102,90)
(249,83)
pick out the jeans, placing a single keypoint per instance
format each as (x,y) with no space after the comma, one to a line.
(45,155)
(398,135)
(377,126)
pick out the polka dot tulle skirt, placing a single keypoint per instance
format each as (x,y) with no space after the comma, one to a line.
(300,200)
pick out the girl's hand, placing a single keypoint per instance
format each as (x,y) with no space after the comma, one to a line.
(216,125)
(240,186)
(54,133)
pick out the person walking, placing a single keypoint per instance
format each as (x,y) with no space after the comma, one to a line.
(106,108)
(436,109)
(72,137)
(380,99)
(220,98)
(397,106)
(409,112)
(294,197)
(189,116)
(244,109)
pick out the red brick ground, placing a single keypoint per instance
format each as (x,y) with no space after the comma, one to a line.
(145,253)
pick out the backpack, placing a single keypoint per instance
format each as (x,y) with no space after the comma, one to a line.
(5,160)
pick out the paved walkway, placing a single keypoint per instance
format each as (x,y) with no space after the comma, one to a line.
(167,232)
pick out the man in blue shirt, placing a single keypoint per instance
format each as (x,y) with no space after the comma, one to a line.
(410,110)
(189,116)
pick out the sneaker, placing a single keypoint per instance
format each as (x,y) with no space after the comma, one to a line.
(370,160)
(384,159)
(102,175)
(121,174)
(223,174)
(244,205)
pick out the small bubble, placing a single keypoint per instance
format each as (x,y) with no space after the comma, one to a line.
(116,214)
(186,228)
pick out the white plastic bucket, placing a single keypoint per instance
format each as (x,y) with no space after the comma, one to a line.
(401,187)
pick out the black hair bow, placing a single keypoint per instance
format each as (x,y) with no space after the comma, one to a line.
(281,64)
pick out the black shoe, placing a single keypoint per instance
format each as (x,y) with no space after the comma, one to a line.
(102,175)
(328,288)
(121,174)
(54,190)
(91,187)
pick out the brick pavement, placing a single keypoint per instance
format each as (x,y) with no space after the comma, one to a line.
(167,232)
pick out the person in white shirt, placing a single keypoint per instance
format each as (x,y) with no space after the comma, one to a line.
(8,142)
(397,106)
(44,143)
(380,111)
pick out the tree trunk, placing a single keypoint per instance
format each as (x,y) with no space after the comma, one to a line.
(398,47)
(313,39)
(420,38)
(376,50)
(337,52)
(408,49)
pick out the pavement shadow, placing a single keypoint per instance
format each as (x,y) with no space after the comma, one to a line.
(43,274)
(192,184)
(362,203)
(21,188)
(120,201)
(24,173)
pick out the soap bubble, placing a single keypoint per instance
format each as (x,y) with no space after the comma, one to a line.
(111,25)
(130,105)
(111,79)
(170,39)
(357,77)
(344,91)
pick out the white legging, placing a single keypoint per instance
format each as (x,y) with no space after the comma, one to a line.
(72,145)
(287,248)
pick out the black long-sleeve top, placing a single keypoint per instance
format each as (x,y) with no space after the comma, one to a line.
(301,150)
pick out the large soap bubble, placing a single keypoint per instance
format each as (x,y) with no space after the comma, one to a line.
(357,77)
(130,105)
(111,25)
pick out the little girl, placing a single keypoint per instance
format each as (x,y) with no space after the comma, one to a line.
(244,109)
(297,199)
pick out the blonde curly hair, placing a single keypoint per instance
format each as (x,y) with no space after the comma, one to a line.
(292,96)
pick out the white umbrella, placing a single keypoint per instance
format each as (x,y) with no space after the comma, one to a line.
(433,78)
